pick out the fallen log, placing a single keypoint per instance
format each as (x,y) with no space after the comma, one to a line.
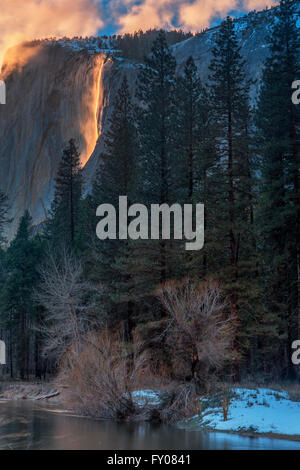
(50,395)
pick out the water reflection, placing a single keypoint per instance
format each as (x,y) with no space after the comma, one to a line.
(28,425)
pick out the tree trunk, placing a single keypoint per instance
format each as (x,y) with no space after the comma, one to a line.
(233,255)
(23,345)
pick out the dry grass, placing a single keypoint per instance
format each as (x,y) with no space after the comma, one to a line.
(293,391)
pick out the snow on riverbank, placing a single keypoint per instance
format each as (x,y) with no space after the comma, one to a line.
(256,410)
(146,397)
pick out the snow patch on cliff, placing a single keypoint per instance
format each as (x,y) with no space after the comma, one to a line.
(93,45)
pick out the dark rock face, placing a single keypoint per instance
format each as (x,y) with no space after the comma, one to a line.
(57,91)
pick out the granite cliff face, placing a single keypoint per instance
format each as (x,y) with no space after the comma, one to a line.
(51,98)
(57,90)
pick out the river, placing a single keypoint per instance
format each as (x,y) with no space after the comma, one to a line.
(31,425)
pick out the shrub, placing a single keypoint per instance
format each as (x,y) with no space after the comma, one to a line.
(102,376)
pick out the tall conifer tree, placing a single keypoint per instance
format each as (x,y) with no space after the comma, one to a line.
(64,224)
(156,128)
(116,177)
(22,259)
(278,121)
(229,100)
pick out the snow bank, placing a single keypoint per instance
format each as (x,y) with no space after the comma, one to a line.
(146,397)
(258,410)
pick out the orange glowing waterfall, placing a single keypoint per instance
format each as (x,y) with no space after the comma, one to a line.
(90,126)
(98,93)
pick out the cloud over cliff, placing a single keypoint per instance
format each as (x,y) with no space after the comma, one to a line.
(23,20)
(191,15)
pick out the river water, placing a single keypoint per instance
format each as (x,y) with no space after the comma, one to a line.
(30,425)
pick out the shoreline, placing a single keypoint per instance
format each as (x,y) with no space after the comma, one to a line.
(53,393)
(255,435)
(49,392)
(249,434)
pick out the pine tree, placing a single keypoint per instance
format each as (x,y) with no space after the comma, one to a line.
(22,258)
(156,128)
(195,153)
(64,225)
(232,176)
(117,177)
(191,120)
(278,136)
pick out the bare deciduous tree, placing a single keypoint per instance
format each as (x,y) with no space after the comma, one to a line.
(69,302)
(198,332)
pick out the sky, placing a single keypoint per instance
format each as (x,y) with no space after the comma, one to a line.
(24,20)
(191,15)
